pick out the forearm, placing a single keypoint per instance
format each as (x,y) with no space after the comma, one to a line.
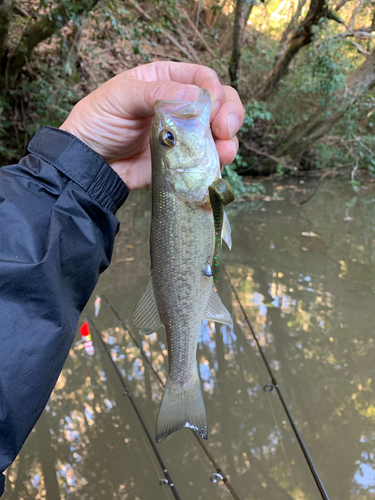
(57,229)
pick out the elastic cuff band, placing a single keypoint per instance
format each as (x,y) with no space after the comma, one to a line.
(81,164)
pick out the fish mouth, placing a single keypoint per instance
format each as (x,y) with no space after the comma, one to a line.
(184,109)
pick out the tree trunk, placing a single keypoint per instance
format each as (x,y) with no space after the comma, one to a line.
(293,22)
(361,81)
(302,36)
(243,10)
(6,8)
(45,27)
(248,8)
(303,136)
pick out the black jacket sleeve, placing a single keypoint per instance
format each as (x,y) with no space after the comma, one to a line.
(57,229)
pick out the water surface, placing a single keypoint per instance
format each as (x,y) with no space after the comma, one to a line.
(305,278)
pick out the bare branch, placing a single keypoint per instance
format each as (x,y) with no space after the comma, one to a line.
(359,48)
(341,4)
(302,36)
(355,12)
(330,14)
(304,135)
(190,49)
(22,12)
(248,8)
(358,34)
(197,32)
(171,38)
(258,151)
(293,22)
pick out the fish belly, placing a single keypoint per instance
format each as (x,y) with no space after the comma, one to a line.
(182,244)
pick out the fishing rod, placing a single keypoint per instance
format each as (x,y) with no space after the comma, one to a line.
(168,479)
(275,384)
(219,471)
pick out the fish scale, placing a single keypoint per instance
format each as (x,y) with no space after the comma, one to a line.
(180,280)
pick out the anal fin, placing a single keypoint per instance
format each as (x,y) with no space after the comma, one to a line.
(146,315)
(226,232)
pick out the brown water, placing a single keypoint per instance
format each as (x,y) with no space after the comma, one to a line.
(305,276)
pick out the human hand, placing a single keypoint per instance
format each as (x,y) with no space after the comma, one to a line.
(115,119)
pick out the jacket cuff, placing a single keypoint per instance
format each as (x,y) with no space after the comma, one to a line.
(81,164)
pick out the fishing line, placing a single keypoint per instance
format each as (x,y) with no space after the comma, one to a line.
(275,384)
(219,470)
(156,465)
(281,441)
(267,389)
(140,418)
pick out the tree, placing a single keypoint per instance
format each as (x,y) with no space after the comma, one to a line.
(242,13)
(302,35)
(309,132)
(12,61)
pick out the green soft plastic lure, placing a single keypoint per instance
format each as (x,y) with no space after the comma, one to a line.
(221,193)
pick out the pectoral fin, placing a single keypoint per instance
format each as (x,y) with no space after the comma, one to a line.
(146,315)
(226,232)
(216,311)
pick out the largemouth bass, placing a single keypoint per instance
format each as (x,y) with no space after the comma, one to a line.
(185,244)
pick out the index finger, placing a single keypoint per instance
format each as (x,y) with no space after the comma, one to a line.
(230,118)
(184,73)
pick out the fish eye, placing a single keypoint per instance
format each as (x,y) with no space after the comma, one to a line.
(167,137)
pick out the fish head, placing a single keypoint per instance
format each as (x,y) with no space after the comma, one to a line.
(183,149)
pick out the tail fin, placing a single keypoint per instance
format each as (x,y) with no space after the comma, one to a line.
(181,407)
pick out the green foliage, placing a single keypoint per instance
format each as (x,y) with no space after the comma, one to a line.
(47,100)
(330,155)
(255,110)
(114,14)
(236,181)
(327,64)
(50,97)
(258,57)
(217,7)
(319,71)
(241,188)
(117,37)
(5,151)
(280,171)
(352,143)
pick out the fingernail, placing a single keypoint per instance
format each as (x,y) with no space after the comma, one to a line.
(233,124)
(191,93)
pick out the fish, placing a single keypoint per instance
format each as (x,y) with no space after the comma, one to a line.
(185,249)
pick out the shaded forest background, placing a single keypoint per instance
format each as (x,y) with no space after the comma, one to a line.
(305,70)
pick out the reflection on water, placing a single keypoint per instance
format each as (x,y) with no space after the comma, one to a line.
(305,277)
